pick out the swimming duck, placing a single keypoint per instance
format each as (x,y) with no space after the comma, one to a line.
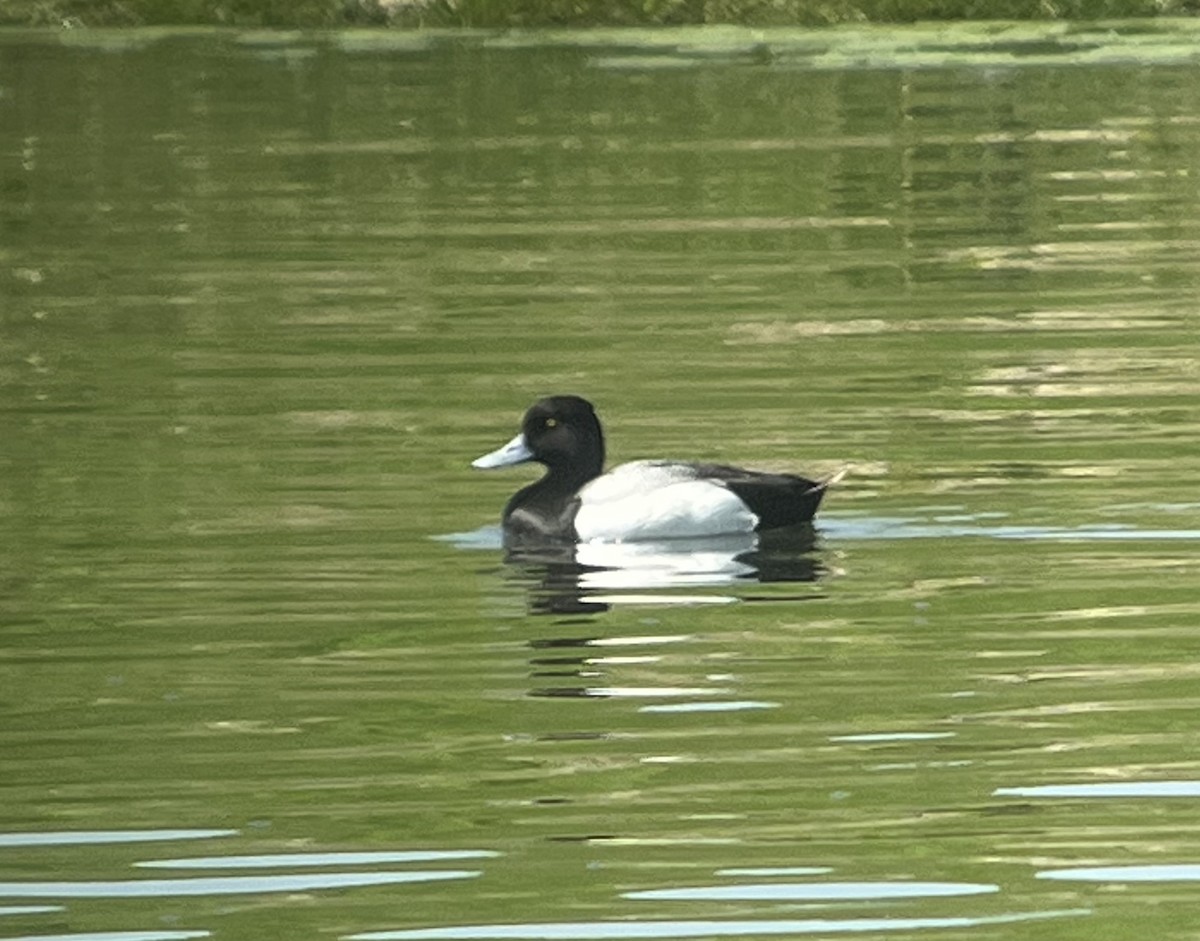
(642,500)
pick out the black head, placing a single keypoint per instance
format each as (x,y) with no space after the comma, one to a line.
(563,432)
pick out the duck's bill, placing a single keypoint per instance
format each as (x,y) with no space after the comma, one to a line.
(515,452)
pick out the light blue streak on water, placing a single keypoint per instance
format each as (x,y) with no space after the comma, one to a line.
(220,885)
(1183,872)
(79,837)
(624,930)
(277,860)
(1106,789)
(814,891)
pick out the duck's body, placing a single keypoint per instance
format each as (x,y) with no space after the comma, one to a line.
(641,500)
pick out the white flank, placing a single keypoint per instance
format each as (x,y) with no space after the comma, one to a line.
(647,500)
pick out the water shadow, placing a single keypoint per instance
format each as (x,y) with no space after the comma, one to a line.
(577,666)
(590,578)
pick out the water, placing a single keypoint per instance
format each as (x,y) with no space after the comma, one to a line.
(265,670)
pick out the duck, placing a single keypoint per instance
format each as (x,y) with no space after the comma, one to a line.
(576,501)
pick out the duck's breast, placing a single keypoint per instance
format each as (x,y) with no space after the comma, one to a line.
(646,500)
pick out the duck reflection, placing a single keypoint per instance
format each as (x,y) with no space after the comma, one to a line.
(590,578)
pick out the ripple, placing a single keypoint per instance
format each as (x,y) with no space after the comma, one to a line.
(1107,789)
(916,528)
(815,891)
(270,861)
(620,930)
(220,885)
(486,537)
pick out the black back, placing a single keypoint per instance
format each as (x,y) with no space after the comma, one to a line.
(776,499)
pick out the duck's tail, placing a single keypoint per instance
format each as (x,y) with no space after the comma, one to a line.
(812,497)
(832,479)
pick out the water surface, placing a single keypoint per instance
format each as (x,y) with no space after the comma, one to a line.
(266,670)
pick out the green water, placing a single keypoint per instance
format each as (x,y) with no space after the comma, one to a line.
(263,298)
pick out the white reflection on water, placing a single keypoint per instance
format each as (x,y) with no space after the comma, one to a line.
(619,930)
(77,837)
(270,861)
(1106,789)
(638,641)
(623,568)
(735,706)
(623,565)
(891,737)
(777,871)
(220,885)
(636,692)
(1183,872)
(814,891)
(672,599)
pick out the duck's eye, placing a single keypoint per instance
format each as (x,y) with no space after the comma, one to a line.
(551,423)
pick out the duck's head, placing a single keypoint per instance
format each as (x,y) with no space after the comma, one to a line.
(562,432)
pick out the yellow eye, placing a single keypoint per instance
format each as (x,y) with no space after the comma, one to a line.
(551,422)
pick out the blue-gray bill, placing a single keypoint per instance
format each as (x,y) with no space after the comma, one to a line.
(515,452)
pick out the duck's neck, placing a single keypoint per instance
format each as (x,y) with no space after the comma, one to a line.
(564,480)
(547,508)
(548,505)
